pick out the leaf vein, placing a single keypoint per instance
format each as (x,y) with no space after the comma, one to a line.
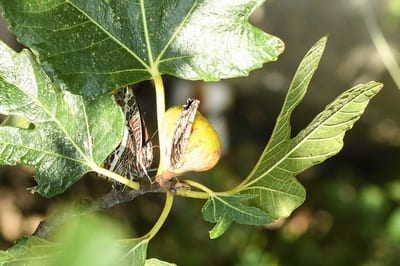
(44,152)
(301,141)
(115,39)
(175,34)
(272,191)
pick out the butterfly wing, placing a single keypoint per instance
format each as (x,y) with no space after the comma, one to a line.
(137,126)
(182,132)
(134,154)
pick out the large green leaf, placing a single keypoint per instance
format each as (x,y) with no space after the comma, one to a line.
(79,242)
(156,262)
(29,251)
(272,180)
(224,209)
(232,206)
(95,46)
(69,134)
(134,251)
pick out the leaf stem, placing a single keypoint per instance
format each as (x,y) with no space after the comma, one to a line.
(192,194)
(160,105)
(199,186)
(237,188)
(207,192)
(129,183)
(163,216)
(160,100)
(196,194)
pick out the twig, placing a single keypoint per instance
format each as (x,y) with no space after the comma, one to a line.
(46,227)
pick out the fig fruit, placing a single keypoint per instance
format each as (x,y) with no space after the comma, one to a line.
(188,143)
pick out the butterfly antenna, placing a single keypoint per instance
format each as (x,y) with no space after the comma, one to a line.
(154,134)
(152,170)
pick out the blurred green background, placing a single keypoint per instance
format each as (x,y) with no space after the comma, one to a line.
(351,215)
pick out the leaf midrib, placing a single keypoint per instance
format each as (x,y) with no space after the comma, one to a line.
(175,34)
(58,123)
(235,208)
(302,141)
(153,63)
(159,60)
(110,35)
(55,120)
(135,247)
(46,152)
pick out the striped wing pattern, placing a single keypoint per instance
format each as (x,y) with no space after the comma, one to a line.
(182,132)
(135,152)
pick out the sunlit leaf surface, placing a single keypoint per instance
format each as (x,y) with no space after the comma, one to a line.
(68,132)
(271,190)
(95,46)
(273,179)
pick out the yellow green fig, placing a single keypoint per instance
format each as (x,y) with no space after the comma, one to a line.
(188,142)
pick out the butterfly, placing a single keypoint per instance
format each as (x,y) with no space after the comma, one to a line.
(182,132)
(134,154)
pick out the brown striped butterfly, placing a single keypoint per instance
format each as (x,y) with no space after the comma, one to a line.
(134,154)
